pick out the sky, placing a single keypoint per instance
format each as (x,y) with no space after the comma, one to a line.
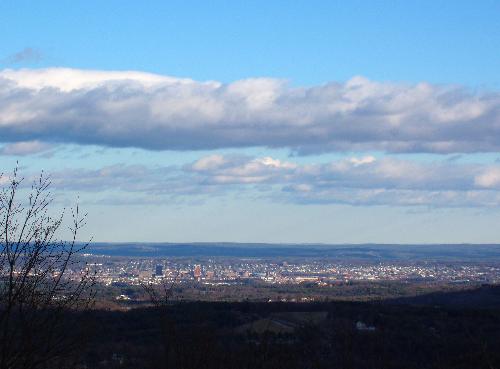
(262,121)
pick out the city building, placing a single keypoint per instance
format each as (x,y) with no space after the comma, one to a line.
(197,272)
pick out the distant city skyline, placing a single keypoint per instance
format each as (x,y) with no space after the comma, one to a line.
(285,122)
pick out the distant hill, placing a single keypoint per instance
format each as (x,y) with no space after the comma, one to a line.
(366,252)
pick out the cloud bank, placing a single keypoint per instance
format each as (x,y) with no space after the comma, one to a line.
(134,109)
(356,181)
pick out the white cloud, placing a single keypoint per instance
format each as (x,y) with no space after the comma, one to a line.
(490,178)
(384,181)
(135,109)
(68,80)
(363,160)
(25,148)
(240,169)
(4,180)
(209,162)
(268,161)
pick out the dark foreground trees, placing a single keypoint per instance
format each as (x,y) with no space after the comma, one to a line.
(161,295)
(219,335)
(44,283)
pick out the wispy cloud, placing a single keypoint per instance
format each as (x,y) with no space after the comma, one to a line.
(355,180)
(26,55)
(133,109)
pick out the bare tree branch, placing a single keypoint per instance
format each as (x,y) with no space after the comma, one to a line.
(42,277)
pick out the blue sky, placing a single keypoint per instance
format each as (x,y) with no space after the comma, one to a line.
(307,42)
(264,121)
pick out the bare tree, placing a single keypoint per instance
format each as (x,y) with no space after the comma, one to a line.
(42,278)
(160,294)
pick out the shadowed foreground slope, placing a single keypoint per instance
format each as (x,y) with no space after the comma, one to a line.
(405,333)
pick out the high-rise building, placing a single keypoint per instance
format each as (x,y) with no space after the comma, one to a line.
(197,272)
(159,270)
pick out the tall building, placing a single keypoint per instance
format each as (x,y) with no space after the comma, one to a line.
(159,270)
(197,272)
